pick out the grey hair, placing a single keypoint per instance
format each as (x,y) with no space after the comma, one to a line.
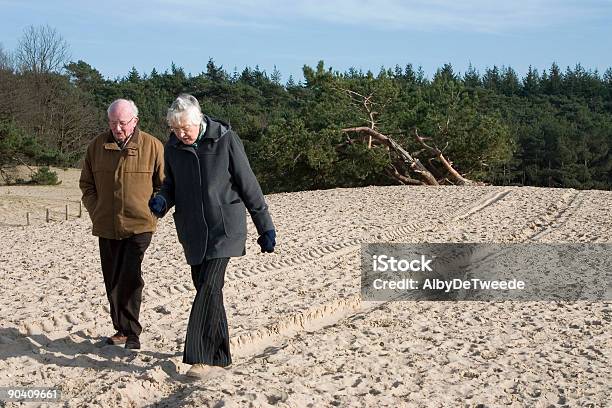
(185,105)
(117,101)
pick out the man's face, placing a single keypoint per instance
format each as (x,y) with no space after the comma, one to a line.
(121,121)
(185,131)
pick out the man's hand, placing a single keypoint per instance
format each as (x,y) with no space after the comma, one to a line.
(267,241)
(157,204)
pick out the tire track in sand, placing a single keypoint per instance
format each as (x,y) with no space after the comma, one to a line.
(252,341)
(334,311)
(342,248)
(331,312)
(161,297)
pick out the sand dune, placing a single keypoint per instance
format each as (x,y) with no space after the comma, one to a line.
(301,334)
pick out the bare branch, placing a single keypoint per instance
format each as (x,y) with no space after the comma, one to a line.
(6,63)
(414,164)
(458,178)
(41,50)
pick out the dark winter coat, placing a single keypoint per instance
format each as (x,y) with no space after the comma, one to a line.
(210,187)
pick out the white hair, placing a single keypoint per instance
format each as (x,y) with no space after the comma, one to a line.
(118,101)
(184,110)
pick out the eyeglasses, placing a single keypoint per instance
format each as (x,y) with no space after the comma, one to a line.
(121,123)
(184,129)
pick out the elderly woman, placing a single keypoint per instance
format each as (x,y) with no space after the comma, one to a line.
(210,183)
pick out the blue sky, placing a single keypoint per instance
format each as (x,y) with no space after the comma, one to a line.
(113,36)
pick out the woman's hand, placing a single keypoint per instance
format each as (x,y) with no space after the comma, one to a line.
(267,241)
(157,205)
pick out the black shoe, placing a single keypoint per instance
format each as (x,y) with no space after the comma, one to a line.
(132,342)
(116,339)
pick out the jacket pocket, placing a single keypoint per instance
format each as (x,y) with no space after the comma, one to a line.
(234,219)
(131,166)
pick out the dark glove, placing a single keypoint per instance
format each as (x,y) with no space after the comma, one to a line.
(267,241)
(157,205)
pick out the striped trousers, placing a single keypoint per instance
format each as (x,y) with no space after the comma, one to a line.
(207,339)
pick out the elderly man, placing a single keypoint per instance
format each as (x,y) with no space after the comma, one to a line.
(211,185)
(122,170)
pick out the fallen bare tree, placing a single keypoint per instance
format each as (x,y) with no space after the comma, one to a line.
(403,163)
(405,168)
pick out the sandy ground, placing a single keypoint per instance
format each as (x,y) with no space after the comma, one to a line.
(301,335)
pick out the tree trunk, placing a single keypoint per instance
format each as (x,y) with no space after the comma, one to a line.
(454,174)
(414,163)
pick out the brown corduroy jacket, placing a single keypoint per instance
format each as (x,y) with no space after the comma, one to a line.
(118,183)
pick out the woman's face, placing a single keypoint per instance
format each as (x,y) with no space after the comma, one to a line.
(186,132)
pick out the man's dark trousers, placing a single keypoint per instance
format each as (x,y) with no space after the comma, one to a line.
(207,340)
(121,262)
